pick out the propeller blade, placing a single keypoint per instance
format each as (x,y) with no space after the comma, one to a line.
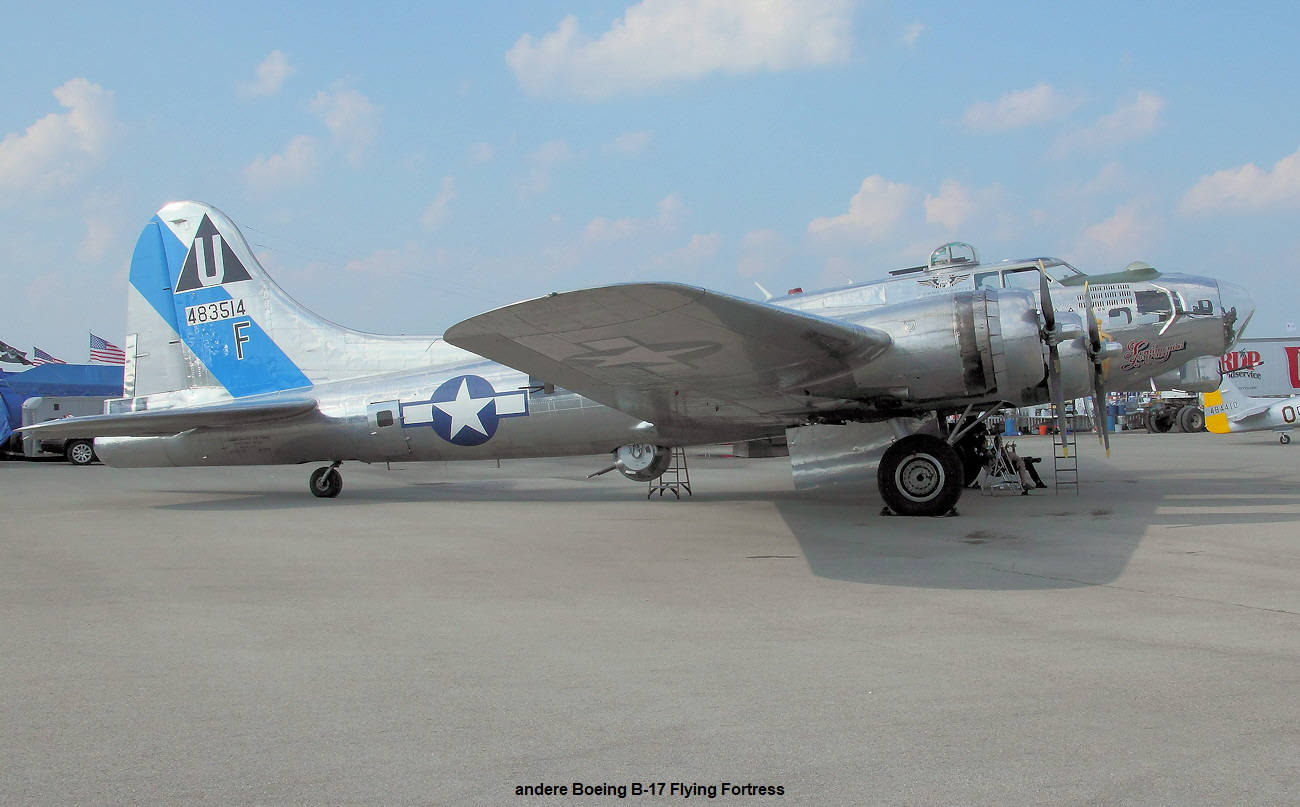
(1045,296)
(1099,411)
(1054,382)
(1058,393)
(1098,373)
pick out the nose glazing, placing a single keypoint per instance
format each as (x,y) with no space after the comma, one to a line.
(1236,307)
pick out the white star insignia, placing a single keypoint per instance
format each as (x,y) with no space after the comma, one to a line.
(464,411)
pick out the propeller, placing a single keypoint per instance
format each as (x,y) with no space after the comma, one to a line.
(1053,338)
(1098,352)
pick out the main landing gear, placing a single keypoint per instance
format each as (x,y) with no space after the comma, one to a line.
(920,475)
(326,483)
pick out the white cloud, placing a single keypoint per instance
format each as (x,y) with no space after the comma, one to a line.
(911,33)
(702,247)
(662,41)
(1130,231)
(1038,104)
(762,251)
(629,143)
(481,152)
(952,207)
(602,230)
(1128,122)
(100,236)
(1247,188)
(351,118)
(271,75)
(60,148)
(436,213)
(292,168)
(874,211)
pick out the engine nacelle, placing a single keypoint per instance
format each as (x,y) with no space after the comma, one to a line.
(980,346)
(642,462)
(1198,375)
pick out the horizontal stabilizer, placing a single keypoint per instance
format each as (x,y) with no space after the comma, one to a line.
(164,422)
(677,355)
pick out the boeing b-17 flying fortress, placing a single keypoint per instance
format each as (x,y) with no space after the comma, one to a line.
(225,368)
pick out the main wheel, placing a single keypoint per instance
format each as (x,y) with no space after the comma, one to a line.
(1191,419)
(920,475)
(326,483)
(1284,438)
(79,452)
(1159,421)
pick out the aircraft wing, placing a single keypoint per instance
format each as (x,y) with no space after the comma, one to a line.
(164,422)
(678,356)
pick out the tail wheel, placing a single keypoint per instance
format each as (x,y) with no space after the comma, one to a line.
(326,483)
(920,475)
(79,452)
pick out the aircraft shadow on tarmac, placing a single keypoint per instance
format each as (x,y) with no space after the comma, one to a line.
(999,542)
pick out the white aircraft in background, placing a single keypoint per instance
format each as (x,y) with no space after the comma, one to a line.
(1228,410)
(224,368)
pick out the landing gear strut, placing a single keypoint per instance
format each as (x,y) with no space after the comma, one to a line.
(326,483)
(920,475)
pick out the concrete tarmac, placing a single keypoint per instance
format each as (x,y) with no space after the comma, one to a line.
(444,634)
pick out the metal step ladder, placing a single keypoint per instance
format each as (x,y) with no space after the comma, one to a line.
(676,479)
(1065,453)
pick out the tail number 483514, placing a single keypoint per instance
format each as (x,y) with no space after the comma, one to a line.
(214,312)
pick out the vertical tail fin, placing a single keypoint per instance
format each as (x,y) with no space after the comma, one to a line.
(1226,400)
(201,309)
(203,317)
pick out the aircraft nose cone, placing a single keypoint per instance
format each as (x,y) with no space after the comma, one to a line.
(1237,306)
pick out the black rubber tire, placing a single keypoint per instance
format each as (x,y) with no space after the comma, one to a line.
(1191,419)
(920,475)
(1284,438)
(79,452)
(326,483)
(1159,421)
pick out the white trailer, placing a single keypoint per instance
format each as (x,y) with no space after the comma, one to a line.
(76,450)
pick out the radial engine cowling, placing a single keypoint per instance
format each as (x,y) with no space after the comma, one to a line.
(980,346)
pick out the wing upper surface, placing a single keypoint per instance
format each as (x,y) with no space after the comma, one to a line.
(677,355)
(163,422)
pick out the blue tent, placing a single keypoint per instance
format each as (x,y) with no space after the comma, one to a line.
(103,380)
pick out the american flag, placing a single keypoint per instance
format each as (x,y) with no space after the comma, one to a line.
(41,357)
(103,351)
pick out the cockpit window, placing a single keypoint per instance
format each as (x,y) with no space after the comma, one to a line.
(1060,271)
(1020,278)
(1154,302)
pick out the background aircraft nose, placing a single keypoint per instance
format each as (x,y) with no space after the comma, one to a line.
(1238,306)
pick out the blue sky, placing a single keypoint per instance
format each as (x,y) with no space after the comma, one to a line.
(401,167)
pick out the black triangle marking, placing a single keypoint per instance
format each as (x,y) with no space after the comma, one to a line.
(207,266)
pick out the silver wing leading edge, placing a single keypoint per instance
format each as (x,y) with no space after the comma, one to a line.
(680,357)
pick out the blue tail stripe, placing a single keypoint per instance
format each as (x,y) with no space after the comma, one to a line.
(234,347)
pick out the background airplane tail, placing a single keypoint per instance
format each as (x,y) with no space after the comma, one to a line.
(204,318)
(1227,398)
